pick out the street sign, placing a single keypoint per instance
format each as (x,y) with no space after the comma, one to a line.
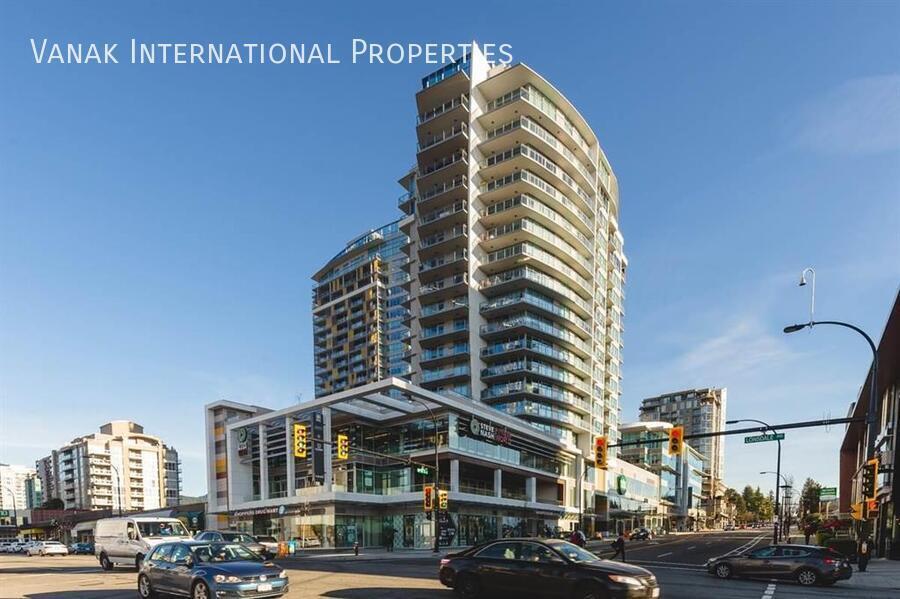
(422,470)
(826,493)
(766,437)
(4,513)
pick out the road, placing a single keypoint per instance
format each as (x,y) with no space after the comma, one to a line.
(677,562)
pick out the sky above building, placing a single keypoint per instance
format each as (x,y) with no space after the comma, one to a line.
(159,224)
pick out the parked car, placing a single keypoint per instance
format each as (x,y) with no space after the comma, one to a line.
(641,534)
(125,541)
(544,567)
(44,548)
(81,549)
(202,570)
(807,564)
(729,527)
(231,536)
(5,546)
(24,546)
(270,543)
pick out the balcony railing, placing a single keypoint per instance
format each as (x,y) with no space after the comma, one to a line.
(447,106)
(536,276)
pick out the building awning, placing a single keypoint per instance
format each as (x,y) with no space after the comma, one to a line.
(84,526)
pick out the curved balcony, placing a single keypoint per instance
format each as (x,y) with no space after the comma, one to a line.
(513,302)
(525,320)
(514,255)
(523,345)
(518,182)
(525,229)
(535,367)
(527,205)
(525,276)
(538,410)
(526,387)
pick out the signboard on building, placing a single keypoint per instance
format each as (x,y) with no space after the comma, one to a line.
(243,437)
(485,431)
(318,432)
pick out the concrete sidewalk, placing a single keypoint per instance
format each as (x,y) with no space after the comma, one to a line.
(880,575)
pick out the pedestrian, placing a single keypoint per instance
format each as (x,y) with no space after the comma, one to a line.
(863,552)
(619,546)
(577,538)
(808,531)
(389,538)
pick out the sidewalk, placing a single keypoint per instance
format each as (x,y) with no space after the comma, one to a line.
(880,575)
(371,554)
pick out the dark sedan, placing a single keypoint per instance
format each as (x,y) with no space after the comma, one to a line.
(81,549)
(209,570)
(544,567)
(807,564)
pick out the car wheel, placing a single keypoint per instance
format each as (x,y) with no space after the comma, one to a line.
(105,563)
(200,591)
(723,571)
(587,591)
(144,588)
(466,586)
(807,577)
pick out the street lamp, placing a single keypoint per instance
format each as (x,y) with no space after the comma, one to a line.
(119,480)
(777,470)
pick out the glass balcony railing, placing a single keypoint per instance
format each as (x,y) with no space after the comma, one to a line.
(541,232)
(541,325)
(528,177)
(536,388)
(447,106)
(534,298)
(443,260)
(545,349)
(533,251)
(532,274)
(445,329)
(434,286)
(541,208)
(443,212)
(444,373)
(455,183)
(459,129)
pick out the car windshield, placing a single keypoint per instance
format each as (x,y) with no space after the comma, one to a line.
(223,552)
(573,552)
(162,529)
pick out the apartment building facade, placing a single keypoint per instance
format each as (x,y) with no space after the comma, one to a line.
(698,411)
(360,332)
(14,490)
(682,479)
(516,262)
(119,468)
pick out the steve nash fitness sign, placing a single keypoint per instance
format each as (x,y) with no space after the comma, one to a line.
(485,430)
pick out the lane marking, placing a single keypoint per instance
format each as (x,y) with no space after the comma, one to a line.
(769,592)
(691,547)
(664,554)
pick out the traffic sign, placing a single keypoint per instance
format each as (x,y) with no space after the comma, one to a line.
(766,437)
(423,470)
(827,493)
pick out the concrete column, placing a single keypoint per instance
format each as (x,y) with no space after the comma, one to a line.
(454,476)
(263,464)
(580,466)
(531,489)
(291,464)
(498,483)
(326,434)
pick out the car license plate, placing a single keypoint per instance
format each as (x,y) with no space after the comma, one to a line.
(264,586)
(654,592)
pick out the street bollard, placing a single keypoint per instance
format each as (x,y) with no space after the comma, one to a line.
(355,548)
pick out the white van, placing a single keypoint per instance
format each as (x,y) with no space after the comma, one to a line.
(125,541)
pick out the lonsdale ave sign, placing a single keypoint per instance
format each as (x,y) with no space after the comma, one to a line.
(766,437)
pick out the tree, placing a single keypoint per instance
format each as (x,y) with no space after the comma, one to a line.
(809,499)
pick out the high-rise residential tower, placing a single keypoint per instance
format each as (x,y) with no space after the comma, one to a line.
(119,468)
(359,312)
(698,411)
(516,258)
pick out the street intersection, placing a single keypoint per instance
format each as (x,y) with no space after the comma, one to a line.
(677,561)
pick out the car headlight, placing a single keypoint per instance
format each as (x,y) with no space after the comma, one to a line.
(629,580)
(223,578)
(282,574)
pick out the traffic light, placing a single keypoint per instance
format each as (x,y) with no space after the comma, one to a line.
(869,478)
(300,440)
(343,447)
(676,440)
(601,451)
(856,511)
(428,498)
(443,499)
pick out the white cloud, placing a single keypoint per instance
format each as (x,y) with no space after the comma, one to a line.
(861,116)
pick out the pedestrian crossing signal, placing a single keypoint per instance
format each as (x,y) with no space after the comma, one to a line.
(300,449)
(428,498)
(443,499)
(601,451)
(676,440)
(343,447)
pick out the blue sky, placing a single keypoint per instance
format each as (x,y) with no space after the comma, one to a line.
(159,224)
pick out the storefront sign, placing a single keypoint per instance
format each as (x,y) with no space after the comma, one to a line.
(485,430)
(621,484)
(279,511)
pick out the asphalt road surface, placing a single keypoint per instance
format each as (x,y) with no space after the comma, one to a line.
(677,562)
